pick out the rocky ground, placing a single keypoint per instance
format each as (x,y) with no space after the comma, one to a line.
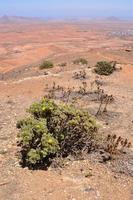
(104,181)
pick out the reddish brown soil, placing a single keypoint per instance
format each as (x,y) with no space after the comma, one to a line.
(27,44)
(62,42)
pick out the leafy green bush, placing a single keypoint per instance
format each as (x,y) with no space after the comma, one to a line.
(79,61)
(46,64)
(104,68)
(55,129)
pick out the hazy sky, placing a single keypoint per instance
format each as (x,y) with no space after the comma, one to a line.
(67,8)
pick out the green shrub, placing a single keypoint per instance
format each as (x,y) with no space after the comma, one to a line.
(81,61)
(55,129)
(104,68)
(46,64)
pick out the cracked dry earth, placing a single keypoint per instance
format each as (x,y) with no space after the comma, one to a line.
(86,180)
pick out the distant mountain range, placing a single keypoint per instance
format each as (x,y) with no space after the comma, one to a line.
(112,18)
(17,19)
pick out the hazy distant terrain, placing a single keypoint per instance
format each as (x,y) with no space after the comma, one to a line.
(26,41)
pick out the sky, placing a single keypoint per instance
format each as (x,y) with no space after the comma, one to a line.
(67,8)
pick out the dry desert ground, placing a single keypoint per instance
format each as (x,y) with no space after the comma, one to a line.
(23,46)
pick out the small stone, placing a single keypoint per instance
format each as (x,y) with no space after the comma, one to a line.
(3,151)
(89,189)
(98,194)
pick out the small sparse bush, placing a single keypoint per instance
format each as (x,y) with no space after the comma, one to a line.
(64,64)
(114,144)
(83,88)
(81,61)
(80,75)
(104,68)
(46,64)
(55,130)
